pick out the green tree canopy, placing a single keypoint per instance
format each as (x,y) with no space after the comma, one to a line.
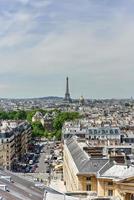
(62,117)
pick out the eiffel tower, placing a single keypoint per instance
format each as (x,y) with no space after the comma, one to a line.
(67,94)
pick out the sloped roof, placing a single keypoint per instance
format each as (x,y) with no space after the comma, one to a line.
(106,167)
(78,155)
(119,171)
(81,159)
(93,165)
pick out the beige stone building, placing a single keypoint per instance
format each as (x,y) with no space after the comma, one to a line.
(8,150)
(1,154)
(14,139)
(100,175)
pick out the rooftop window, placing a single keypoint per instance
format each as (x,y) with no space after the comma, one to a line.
(116,131)
(95,131)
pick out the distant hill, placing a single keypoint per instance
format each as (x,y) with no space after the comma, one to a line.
(51,97)
(35,98)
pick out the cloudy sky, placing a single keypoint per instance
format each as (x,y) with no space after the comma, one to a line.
(43,41)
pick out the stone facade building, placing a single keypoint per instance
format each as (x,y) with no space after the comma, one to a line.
(14,139)
(101,175)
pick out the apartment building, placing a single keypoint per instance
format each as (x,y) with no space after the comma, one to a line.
(14,137)
(1,154)
(98,135)
(107,178)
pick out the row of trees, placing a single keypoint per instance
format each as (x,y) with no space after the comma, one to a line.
(13,115)
(37,128)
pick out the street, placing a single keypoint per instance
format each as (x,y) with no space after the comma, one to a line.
(23,185)
(43,171)
(42,166)
(20,189)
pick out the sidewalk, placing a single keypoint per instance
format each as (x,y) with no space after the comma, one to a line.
(58,185)
(32,176)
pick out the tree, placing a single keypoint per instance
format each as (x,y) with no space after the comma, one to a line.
(37,129)
(30,114)
(60,119)
(21,114)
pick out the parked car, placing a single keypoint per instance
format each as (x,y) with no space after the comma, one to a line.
(46,160)
(30,162)
(48,170)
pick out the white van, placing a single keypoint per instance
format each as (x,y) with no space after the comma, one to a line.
(7,178)
(4,187)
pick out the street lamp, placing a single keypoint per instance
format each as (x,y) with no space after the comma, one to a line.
(45,195)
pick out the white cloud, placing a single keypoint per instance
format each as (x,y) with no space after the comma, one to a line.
(35,3)
(23,1)
(41,4)
(97,54)
(78,48)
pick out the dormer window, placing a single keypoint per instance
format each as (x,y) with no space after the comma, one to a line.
(95,131)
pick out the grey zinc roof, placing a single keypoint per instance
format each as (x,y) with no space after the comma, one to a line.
(93,165)
(78,155)
(82,161)
(119,171)
(106,167)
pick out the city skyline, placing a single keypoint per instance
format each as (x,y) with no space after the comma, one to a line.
(90,41)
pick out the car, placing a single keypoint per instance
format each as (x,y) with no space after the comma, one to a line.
(54,157)
(48,170)
(42,151)
(32,170)
(38,152)
(46,161)
(30,162)
(27,169)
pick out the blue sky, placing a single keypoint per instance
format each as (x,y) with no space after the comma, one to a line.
(43,41)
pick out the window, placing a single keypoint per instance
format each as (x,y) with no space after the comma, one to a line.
(89,178)
(110,192)
(88,187)
(95,131)
(111,131)
(110,183)
(132,197)
(7,167)
(116,131)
